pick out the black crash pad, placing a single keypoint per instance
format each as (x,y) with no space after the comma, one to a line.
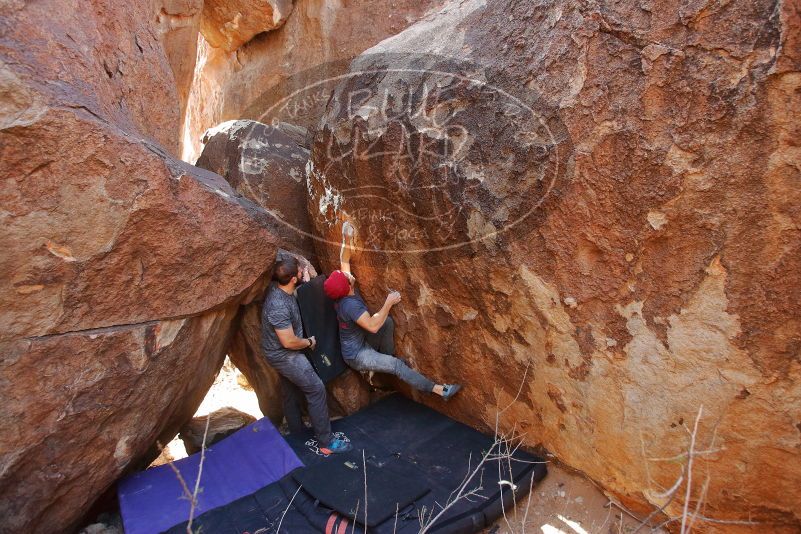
(320,321)
(436,452)
(338,483)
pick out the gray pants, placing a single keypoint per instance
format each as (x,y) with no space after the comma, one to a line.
(298,378)
(375,356)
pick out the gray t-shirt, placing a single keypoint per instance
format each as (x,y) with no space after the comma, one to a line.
(280,311)
(352,337)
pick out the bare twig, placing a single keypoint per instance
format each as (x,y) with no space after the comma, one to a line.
(355,515)
(622,508)
(699,502)
(193,500)
(184,486)
(502,450)
(461,492)
(277,530)
(364,465)
(190,496)
(685,478)
(728,521)
(673,493)
(528,502)
(498,413)
(684,455)
(690,458)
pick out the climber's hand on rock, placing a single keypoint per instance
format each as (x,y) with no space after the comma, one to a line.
(393,298)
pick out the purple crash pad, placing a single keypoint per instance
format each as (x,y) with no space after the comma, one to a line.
(151,501)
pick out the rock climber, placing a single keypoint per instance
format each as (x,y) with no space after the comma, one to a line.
(282,343)
(368,339)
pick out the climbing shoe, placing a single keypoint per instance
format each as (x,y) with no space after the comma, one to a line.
(449,390)
(336,446)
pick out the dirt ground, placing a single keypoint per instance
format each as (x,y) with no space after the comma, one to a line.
(566,503)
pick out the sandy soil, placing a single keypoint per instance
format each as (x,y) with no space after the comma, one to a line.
(566,503)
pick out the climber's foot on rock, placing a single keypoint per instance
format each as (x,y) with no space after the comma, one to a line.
(446,391)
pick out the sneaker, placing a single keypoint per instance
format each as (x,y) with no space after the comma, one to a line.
(449,390)
(336,446)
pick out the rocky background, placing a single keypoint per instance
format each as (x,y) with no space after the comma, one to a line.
(658,274)
(123,268)
(656,277)
(320,36)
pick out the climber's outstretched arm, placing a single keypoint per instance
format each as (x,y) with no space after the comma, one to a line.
(346,250)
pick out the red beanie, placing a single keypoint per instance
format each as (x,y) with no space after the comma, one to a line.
(336,285)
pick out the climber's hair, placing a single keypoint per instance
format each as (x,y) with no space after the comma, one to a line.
(285,268)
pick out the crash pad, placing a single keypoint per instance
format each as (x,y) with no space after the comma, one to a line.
(320,321)
(393,484)
(256,456)
(434,451)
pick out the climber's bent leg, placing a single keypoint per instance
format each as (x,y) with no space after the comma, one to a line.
(369,359)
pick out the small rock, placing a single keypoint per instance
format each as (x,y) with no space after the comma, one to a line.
(242,380)
(222,423)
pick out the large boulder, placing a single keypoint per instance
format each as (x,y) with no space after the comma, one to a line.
(123,268)
(267,165)
(598,209)
(229,24)
(317,35)
(246,354)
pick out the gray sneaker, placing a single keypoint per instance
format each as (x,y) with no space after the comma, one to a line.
(449,390)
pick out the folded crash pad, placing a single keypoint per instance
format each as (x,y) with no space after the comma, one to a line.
(320,321)
(152,501)
(429,449)
(393,484)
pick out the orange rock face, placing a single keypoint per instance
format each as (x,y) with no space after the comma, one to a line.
(246,354)
(318,32)
(122,268)
(177,25)
(229,25)
(598,209)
